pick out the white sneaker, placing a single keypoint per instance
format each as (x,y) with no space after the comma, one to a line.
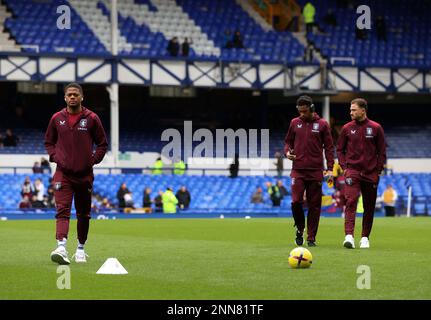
(80,256)
(364,243)
(59,256)
(349,242)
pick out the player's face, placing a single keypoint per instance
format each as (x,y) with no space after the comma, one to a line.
(357,113)
(305,112)
(73,97)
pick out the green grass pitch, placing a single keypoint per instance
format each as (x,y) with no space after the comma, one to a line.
(217,259)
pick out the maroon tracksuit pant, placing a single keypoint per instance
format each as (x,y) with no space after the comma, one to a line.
(311,184)
(355,185)
(67,188)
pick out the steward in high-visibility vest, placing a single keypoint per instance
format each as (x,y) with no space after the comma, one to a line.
(157,167)
(309,12)
(179,167)
(170,201)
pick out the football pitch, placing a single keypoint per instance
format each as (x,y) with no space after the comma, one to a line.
(218,259)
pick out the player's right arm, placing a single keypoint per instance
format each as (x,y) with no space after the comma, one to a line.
(289,142)
(51,136)
(341,148)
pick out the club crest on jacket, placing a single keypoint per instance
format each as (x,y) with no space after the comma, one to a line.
(82,124)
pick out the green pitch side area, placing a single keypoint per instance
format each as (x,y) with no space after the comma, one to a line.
(218,259)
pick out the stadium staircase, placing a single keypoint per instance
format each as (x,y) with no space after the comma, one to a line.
(247,7)
(99,24)
(168,19)
(6,42)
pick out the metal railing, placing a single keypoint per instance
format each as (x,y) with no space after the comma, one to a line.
(150,170)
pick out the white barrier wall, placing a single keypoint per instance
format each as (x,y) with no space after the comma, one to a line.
(410,165)
(141,160)
(127,160)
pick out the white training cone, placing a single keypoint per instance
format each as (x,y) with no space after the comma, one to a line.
(112,266)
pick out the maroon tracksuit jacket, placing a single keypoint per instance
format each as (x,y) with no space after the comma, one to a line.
(361,152)
(307,139)
(361,147)
(72,148)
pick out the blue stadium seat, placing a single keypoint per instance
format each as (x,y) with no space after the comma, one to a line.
(209,193)
(32,15)
(407,34)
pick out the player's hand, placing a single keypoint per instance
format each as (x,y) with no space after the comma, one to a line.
(290,156)
(328,174)
(329,177)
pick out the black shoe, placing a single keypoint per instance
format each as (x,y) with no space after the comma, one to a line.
(299,240)
(311,243)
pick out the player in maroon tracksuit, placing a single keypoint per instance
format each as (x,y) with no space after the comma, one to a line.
(361,150)
(69,140)
(305,141)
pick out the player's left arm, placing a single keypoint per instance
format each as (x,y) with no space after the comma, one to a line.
(328,145)
(100,140)
(381,149)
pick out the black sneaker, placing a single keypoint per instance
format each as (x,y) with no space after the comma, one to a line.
(299,240)
(311,243)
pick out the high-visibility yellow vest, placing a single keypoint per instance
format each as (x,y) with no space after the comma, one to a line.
(157,167)
(309,12)
(360,207)
(179,167)
(170,202)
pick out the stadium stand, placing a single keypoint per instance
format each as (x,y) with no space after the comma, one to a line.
(6,44)
(149,28)
(219,194)
(146,27)
(32,26)
(217,16)
(402,141)
(408,29)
